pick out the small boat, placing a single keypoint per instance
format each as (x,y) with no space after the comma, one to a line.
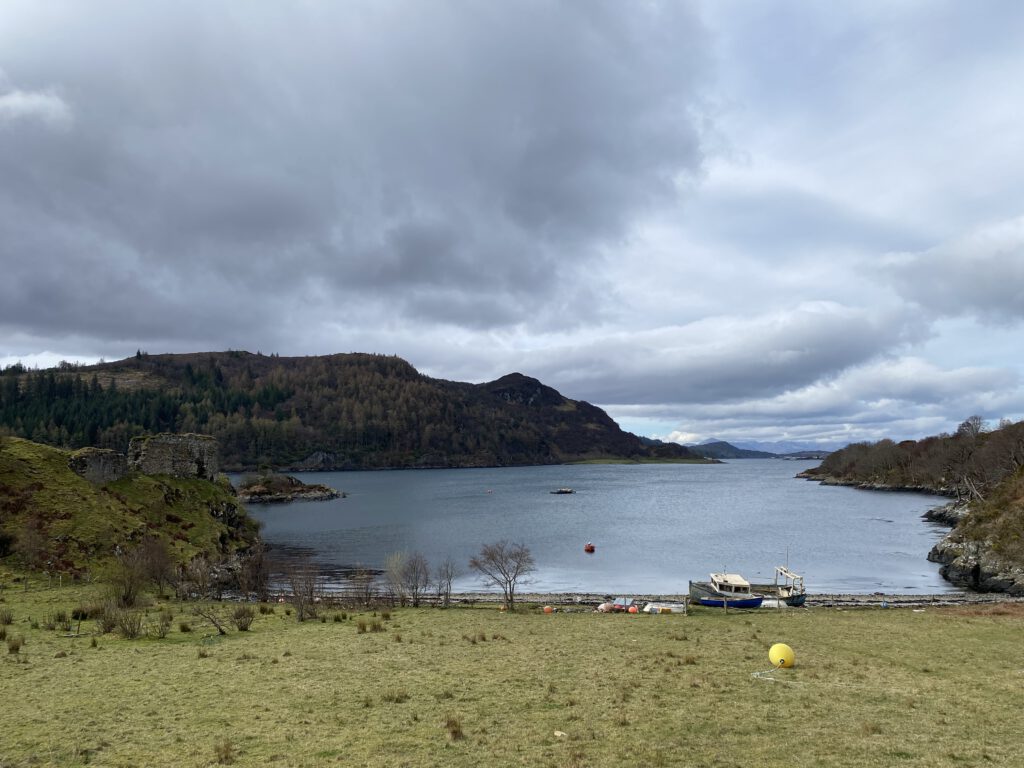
(725,590)
(787,587)
(589,548)
(563,490)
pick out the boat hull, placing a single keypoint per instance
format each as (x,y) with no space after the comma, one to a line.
(704,594)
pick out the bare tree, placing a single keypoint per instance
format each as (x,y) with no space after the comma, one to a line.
(394,574)
(127,575)
(415,577)
(157,563)
(253,574)
(443,578)
(504,565)
(306,582)
(364,584)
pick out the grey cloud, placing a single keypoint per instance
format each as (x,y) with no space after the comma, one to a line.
(981,274)
(729,358)
(405,149)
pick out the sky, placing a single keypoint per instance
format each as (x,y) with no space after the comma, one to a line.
(795,221)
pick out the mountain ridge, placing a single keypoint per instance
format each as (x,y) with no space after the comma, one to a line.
(342,411)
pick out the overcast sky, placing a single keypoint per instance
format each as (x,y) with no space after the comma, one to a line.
(787,220)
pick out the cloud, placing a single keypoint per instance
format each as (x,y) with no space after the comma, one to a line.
(47,108)
(980,274)
(459,163)
(730,357)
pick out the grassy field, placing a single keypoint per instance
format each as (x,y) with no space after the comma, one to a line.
(478,687)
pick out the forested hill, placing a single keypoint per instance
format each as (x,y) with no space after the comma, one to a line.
(966,465)
(334,412)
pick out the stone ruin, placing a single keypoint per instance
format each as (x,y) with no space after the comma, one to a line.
(187,456)
(99,465)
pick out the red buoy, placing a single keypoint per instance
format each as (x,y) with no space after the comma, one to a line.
(588,547)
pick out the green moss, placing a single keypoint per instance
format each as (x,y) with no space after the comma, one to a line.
(82,521)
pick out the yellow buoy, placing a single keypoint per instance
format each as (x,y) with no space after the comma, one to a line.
(781,655)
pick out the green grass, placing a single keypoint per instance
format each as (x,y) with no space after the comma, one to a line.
(475,686)
(81,521)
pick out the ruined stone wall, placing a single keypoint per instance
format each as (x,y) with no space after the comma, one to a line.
(99,465)
(175,455)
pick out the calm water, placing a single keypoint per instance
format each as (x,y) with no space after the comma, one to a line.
(655,526)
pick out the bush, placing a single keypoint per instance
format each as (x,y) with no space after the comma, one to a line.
(14,644)
(162,625)
(184,627)
(6,616)
(243,617)
(106,618)
(129,624)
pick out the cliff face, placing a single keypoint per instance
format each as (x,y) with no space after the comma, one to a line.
(985,550)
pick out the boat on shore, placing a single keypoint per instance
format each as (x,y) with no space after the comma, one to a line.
(787,587)
(725,590)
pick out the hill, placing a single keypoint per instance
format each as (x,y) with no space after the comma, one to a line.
(719,449)
(983,470)
(352,411)
(57,520)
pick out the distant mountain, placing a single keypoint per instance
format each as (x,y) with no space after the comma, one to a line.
(719,449)
(352,411)
(783,447)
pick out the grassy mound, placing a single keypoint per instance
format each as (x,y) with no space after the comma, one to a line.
(71,524)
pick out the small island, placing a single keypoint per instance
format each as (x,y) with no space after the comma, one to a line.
(270,487)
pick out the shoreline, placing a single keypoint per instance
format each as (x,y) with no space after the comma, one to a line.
(819,600)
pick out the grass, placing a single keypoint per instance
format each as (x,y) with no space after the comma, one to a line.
(871,687)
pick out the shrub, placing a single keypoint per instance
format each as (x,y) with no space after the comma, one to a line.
(163,624)
(106,618)
(6,616)
(386,615)
(184,627)
(129,624)
(202,653)
(3,633)
(243,617)
(265,609)
(376,626)
(361,627)
(14,644)
(337,618)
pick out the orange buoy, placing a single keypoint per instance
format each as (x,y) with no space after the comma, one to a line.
(632,609)
(548,609)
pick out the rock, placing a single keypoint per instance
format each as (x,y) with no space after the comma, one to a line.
(973,564)
(280,488)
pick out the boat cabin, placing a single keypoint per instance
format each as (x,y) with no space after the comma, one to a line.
(730,584)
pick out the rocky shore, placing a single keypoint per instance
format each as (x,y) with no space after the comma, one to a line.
(281,488)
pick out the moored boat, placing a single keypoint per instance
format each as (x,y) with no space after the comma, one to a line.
(787,587)
(725,590)
(563,490)
(588,548)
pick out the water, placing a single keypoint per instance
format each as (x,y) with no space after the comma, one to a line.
(655,526)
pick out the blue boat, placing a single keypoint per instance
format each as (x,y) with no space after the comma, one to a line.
(725,590)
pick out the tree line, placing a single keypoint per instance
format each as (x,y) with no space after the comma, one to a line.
(355,411)
(968,464)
